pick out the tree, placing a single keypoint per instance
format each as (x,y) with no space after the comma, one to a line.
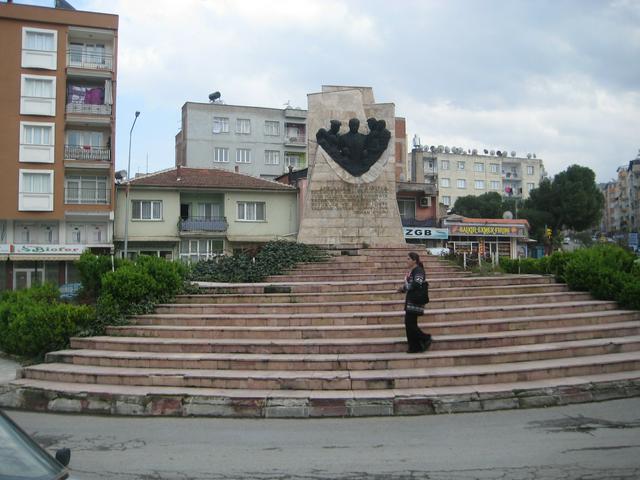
(572,200)
(487,205)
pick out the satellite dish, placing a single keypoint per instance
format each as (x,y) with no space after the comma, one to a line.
(499,153)
(440,148)
(486,152)
(528,155)
(121,174)
(214,96)
(507,215)
(513,153)
(446,150)
(474,151)
(534,155)
(432,149)
(492,152)
(504,152)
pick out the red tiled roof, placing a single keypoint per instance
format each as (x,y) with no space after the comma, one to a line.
(207,178)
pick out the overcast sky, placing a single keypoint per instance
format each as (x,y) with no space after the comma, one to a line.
(558,78)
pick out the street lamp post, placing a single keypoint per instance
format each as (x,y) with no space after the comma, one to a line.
(126,193)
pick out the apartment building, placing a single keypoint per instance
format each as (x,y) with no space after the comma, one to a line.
(57,111)
(622,200)
(460,173)
(262,142)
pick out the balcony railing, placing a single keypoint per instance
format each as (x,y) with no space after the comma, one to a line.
(87,196)
(87,152)
(88,108)
(203,224)
(89,60)
(299,139)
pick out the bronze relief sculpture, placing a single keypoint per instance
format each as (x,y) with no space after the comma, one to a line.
(354,151)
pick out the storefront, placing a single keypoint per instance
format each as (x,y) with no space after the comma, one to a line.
(429,236)
(24,266)
(488,236)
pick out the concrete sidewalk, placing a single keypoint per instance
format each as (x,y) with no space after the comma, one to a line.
(7,369)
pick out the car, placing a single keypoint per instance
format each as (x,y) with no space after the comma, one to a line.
(69,291)
(438,251)
(21,458)
(566,240)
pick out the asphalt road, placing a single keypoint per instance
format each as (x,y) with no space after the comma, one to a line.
(588,441)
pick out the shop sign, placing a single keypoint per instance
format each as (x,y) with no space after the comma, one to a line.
(426,233)
(4,248)
(486,230)
(47,249)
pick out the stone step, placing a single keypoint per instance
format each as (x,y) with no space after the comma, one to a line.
(434,293)
(359,318)
(338,380)
(398,277)
(183,401)
(368,271)
(360,286)
(359,261)
(378,361)
(368,306)
(353,345)
(186,330)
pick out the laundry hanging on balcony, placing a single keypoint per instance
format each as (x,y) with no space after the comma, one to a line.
(85,95)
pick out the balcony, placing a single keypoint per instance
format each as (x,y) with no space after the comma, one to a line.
(203,224)
(296,141)
(88,109)
(87,196)
(87,153)
(89,60)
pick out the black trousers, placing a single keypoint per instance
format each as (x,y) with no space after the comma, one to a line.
(415,336)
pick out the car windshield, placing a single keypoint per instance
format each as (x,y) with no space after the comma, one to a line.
(22,459)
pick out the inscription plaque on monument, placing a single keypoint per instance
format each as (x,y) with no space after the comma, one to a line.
(361,199)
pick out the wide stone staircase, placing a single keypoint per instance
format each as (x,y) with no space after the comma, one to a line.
(327,339)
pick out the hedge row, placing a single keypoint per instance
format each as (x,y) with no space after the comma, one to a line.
(272,259)
(608,272)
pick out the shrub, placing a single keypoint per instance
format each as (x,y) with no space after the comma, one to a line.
(33,322)
(557,264)
(168,276)
(272,259)
(91,268)
(629,296)
(127,291)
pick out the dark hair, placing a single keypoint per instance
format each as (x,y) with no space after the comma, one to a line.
(416,258)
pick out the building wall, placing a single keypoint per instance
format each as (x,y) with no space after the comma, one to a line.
(281,216)
(503,176)
(196,142)
(148,230)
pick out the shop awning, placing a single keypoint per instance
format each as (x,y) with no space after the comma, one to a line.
(44,258)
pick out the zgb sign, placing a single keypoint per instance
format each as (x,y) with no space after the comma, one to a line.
(426,233)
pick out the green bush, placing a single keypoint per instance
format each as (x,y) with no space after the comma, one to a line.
(557,264)
(272,259)
(629,296)
(91,268)
(168,276)
(33,322)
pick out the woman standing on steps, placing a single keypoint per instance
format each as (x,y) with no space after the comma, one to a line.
(415,286)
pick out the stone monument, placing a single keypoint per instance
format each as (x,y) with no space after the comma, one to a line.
(351,193)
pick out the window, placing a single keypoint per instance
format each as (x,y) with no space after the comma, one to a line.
(429,164)
(36,142)
(271,128)
(89,55)
(203,249)
(478,167)
(84,138)
(493,167)
(445,182)
(295,160)
(495,185)
(220,125)
(530,186)
(271,157)
(444,165)
(39,48)
(479,184)
(221,155)
(36,190)
(251,211)
(462,183)
(146,209)
(407,207)
(38,95)
(243,125)
(243,155)
(461,165)
(86,190)
(446,200)
(530,170)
